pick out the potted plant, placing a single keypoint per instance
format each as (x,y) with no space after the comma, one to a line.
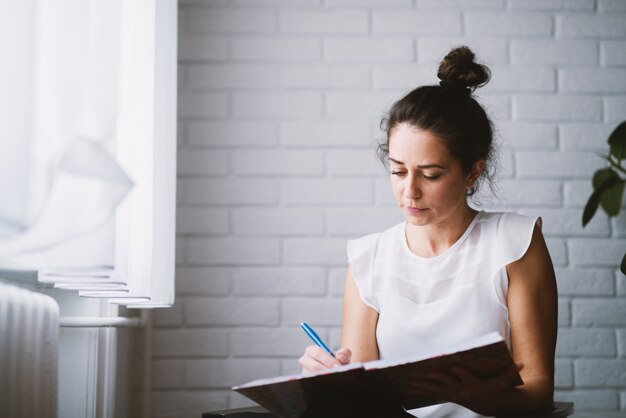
(608,183)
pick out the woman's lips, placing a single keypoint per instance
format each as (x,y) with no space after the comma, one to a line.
(415,211)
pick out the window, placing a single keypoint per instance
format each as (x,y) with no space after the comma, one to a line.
(91,147)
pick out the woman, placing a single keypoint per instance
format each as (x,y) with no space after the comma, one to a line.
(449,272)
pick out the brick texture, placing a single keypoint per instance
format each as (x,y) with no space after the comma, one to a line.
(279,107)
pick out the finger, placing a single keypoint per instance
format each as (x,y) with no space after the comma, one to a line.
(310,365)
(321,356)
(469,385)
(445,386)
(436,385)
(343,355)
(511,374)
(490,386)
(464,376)
(444,379)
(309,360)
(426,388)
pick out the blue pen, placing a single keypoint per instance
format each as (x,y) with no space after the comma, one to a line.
(316,339)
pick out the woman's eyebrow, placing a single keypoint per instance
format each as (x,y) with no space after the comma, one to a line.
(431,166)
(424,166)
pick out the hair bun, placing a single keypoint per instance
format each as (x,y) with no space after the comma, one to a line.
(459,69)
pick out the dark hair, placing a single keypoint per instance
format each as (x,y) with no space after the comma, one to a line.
(450,112)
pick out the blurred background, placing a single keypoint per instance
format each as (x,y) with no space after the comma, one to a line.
(279,104)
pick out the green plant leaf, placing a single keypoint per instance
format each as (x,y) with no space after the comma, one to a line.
(594,200)
(617,141)
(611,199)
(601,175)
(622,267)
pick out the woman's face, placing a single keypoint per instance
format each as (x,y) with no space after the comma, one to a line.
(427,181)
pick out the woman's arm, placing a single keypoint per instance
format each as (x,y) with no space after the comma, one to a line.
(358,338)
(359,323)
(533,309)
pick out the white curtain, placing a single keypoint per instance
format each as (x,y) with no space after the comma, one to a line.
(87,142)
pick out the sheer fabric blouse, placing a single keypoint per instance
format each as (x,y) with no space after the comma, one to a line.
(431,303)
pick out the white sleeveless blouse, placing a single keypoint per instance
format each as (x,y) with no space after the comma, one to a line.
(432,303)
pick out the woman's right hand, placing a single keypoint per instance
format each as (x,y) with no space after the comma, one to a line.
(316,358)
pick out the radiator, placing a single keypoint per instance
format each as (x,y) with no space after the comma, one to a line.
(29,341)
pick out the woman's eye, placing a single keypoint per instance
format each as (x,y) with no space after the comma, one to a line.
(397,173)
(432,178)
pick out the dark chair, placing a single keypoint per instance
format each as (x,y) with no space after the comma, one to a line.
(559,410)
(249,412)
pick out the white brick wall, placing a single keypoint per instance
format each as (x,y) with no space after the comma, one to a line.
(279,105)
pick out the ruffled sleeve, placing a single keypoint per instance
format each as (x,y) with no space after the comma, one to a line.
(361,256)
(514,234)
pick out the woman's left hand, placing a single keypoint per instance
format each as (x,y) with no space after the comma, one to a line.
(460,386)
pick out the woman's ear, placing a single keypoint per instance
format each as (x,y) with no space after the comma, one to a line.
(475,173)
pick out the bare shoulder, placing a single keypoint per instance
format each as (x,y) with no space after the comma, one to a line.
(532,280)
(535,264)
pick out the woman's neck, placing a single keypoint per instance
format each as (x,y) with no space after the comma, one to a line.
(432,240)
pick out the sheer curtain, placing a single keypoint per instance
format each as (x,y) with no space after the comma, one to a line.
(88,138)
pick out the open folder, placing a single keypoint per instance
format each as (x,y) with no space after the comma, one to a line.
(388,380)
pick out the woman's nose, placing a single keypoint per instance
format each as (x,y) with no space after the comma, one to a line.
(412,190)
